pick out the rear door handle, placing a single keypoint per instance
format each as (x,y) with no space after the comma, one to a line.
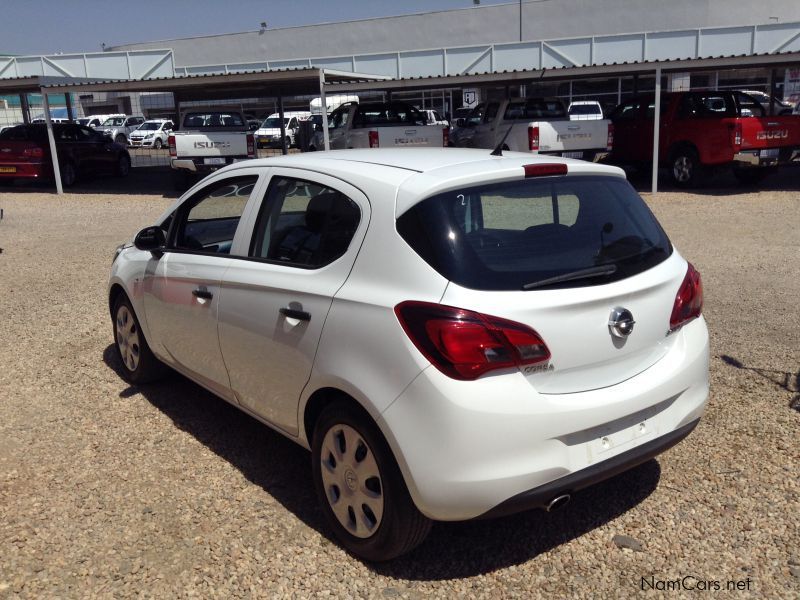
(204,294)
(300,315)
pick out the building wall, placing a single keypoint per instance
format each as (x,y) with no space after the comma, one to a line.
(542,19)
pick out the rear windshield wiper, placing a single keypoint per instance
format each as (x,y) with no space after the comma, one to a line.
(598,271)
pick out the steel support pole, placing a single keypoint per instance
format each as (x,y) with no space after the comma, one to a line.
(26,109)
(323,103)
(68,98)
(656,130)
(284,147)
(52,140)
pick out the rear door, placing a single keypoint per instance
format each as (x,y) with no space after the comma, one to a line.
(627,120)
(485,133)
(707,120)
(306,235)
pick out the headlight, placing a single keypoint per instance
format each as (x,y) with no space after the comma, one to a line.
(117,252)
(147,137)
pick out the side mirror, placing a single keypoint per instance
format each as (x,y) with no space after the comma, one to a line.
(460,122)
(150,238)
(317,127)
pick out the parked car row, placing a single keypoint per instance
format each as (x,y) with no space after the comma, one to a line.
(698,131)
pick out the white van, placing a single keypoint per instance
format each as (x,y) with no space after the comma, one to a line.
(269,134)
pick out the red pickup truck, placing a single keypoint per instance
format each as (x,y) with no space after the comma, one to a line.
(705,129)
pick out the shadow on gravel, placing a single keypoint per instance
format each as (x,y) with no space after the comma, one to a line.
(452,550)
(783,379)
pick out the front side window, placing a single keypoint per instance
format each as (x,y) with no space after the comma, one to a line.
(208,221)
(304,224)
(507,236)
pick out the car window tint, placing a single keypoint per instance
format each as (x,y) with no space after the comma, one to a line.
(208,221)
(504,236)
(304,224)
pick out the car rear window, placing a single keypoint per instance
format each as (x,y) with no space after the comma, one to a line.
(514,235)
(535,108)
(21,133)
(212,119)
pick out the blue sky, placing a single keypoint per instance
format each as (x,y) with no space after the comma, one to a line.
(51,26)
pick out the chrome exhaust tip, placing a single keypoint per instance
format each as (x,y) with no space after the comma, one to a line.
(558,502)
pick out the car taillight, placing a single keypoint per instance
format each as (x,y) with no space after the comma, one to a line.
(689,301)
(464,344)
(374,142)
(171,143)
(610,140)
(33,152)
(737,134)
(533,138)
(445,137)
(251,146)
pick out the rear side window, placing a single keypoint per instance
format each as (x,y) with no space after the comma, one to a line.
(304,224)
(509,235)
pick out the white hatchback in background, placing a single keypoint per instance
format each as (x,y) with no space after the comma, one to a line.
(452,334)
(151,134)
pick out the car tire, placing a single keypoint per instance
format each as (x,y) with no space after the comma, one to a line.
(123,167)
(753,175)
(684,166)
(311,149)
(139,364)
(121,139)
(69,174)
(158,144)
(360,488)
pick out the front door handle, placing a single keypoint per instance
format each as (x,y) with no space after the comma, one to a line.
(204,294)
(300,315)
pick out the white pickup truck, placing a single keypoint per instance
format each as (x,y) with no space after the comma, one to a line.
(539,125)
(380,125)
(208,140)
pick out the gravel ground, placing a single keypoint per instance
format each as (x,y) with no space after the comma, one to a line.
(109,490)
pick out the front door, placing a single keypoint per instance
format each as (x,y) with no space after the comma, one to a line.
(273,306)
(182,295)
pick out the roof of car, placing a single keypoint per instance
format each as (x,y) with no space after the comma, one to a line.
(420,160)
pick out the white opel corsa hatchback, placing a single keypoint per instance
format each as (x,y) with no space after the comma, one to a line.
(452,334)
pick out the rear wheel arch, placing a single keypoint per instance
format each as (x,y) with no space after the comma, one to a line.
(678,147)
(321,398)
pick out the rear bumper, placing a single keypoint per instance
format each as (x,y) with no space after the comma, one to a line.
(539,497)
(23,170)
(197,165)
(767,157)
